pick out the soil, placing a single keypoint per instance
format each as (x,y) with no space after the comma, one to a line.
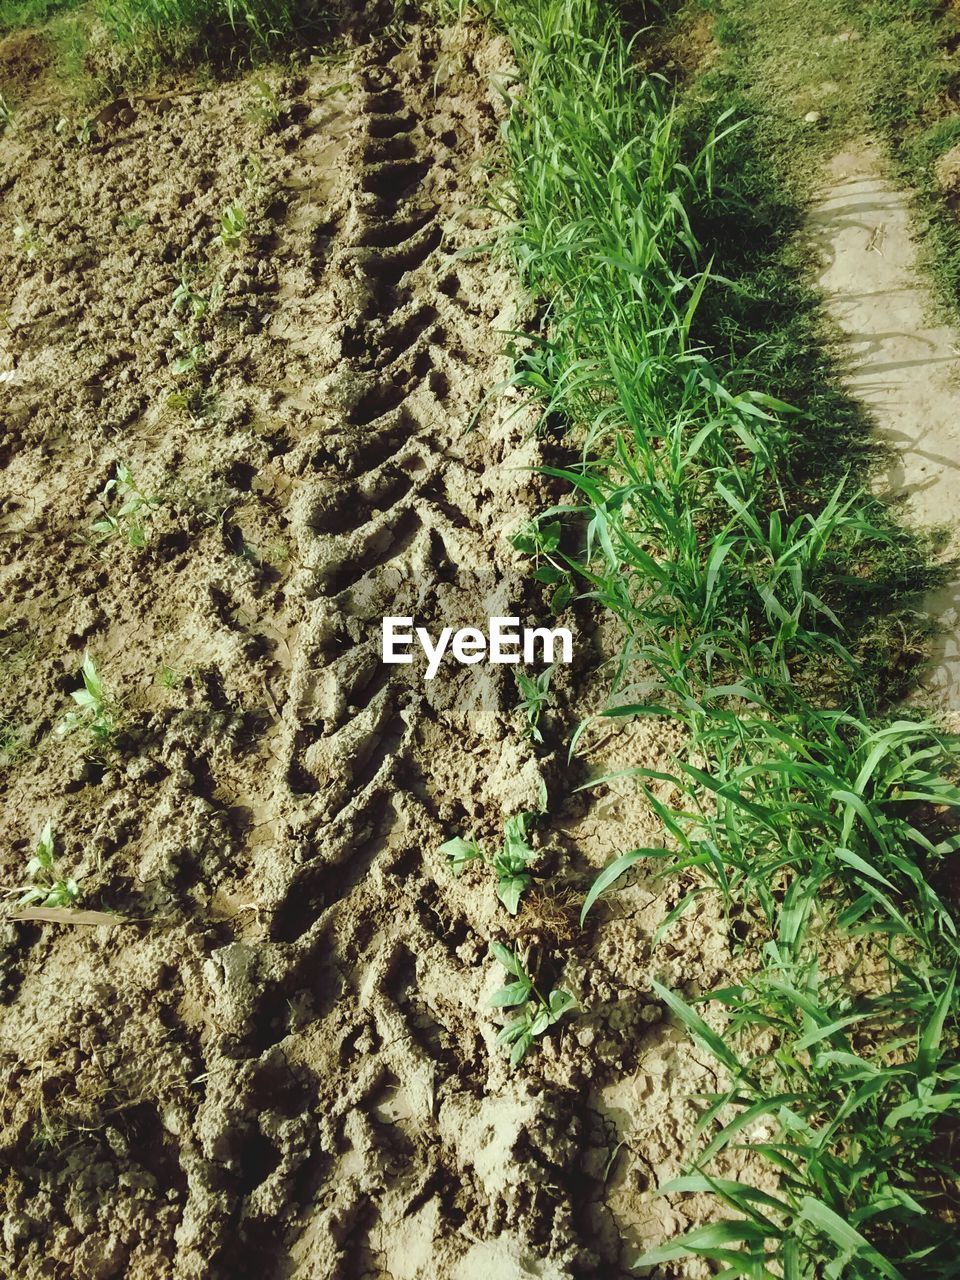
(903,365)
(284,1062)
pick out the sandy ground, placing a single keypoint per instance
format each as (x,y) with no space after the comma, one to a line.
(902,364)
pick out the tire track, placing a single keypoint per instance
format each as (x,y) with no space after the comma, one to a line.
(393,510)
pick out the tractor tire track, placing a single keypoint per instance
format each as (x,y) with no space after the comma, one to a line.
(394,512)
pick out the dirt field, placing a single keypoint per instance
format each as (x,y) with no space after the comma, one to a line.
(285,1063)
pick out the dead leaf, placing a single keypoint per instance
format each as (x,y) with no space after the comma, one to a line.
(64,915)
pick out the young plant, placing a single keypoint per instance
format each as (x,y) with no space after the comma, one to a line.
(186,296)
(233,227)
(511,862)
(265,107)
(536,1012)
(192,353)
(95,714)
(534,696)
(49,888)
(135,509)
(27,239)
(7,113)
(253,174)
(541,540)
(85,132)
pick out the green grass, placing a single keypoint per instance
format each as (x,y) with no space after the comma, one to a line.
(32,13)
(713,519)
(890,67)
(152,35)
(150,29)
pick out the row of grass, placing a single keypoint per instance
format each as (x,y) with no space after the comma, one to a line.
(739,585)
(153,35)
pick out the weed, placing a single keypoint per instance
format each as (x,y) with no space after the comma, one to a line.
(7,113)
(49,888)
(536,1012)
(132,515)
(14,741)
(133,221)
(541,540)
(233,227)
(30,13)
(95,714)
(534,697)
(170,678)
(199,403)
(277,553)
(511,862)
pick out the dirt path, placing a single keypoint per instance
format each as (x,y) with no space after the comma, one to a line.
(901,364)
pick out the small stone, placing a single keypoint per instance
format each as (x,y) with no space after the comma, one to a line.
(81,772)
(812,117)
(608,1051)
(586,1037)
(16,1227)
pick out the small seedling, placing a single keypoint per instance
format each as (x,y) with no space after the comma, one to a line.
(511,862)
(187,297)
(49,889)
(82,130)
(170,678)
(534,696)
(253,174)
(94,713)
(193,352)
(85,132)
(27,239)
(136,508)
(233,227)
(536,1013)
(542,541)
(265,108)
(7,113)
(133,221)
